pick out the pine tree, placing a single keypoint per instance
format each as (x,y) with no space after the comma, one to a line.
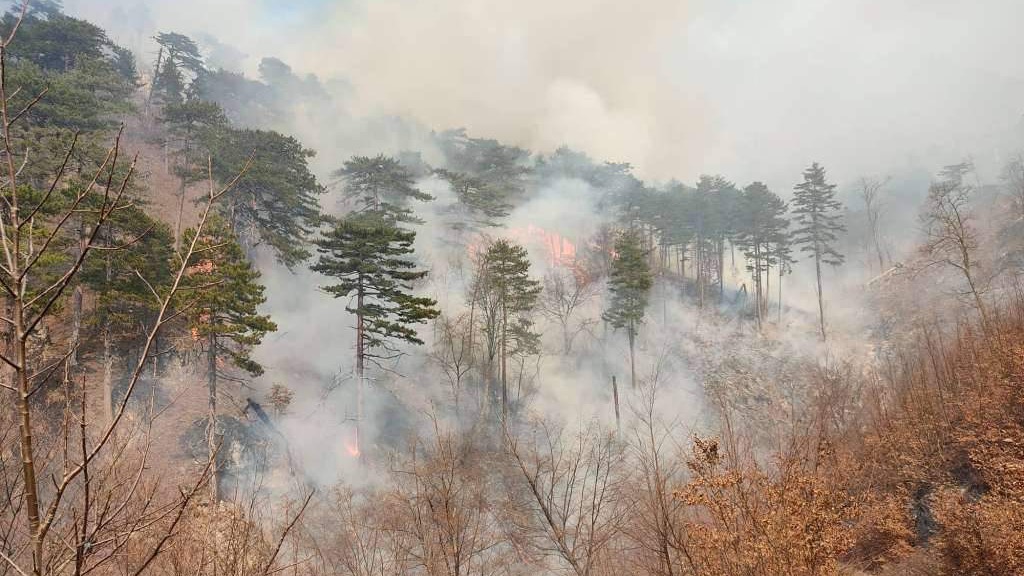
(183,51)
(486,176)
(185,122)
(368,256)
(178,55)
(630,285)
(819,221)
(713,222)
(762,223)
(506,294)
(781,253)
(276,201)
(169,83)
(381,184)
(135,258)
(483,204)
(678,232)
(224,297)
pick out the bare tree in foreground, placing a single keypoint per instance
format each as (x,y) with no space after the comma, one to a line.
(572,495)
(83,496)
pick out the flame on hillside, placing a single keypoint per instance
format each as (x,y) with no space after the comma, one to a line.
(558,250)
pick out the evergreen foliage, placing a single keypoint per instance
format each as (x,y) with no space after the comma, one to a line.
(368,258)
(381,184)
(488,177)
(762,228)
(818,218)
(630,284)
(506,294)
(276,201)
(224,296)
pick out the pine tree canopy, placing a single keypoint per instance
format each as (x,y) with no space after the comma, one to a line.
(817,215)
(367,255)
(381,183)
(483,202)
(762,222)
(630,283)
(506,273)
(224,295)
(276,201)
(506,294)
(183,51)
(138,257)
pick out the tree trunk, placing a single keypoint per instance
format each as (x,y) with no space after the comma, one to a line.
(77,298)
(682,267)
(108,360)
(974,289)
(212,434)
(632,356)
(504,351)
(156,72)
(780,293)
(360,368)
(821,299)
(28,465)
(108,377)
(701,273)
(181,197)
(615,398)
(757,284)
(721,270)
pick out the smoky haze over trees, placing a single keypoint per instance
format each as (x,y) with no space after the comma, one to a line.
(247,328)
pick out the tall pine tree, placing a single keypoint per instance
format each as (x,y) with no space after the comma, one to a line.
(506,294)
(630,284)
(224,295)
(368,257)
(818,218)
(762,224)
(185,122)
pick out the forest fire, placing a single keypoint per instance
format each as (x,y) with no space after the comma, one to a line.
(557,248)
(582,336)
(351,447)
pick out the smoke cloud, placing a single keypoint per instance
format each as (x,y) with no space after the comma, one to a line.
(756,90)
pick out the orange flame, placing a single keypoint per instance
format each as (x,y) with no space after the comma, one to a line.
(351,447)
(558,249)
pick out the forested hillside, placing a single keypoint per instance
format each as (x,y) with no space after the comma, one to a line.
(227,352)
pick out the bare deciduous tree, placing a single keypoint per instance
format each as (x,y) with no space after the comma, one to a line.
(565,293)
(655,525)
(951,237)
(453,352)
(870,193)
(446,506)
(572,495)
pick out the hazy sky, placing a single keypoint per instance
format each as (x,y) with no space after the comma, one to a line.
(753,89)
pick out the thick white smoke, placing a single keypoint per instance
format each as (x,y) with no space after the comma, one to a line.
(756,90)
